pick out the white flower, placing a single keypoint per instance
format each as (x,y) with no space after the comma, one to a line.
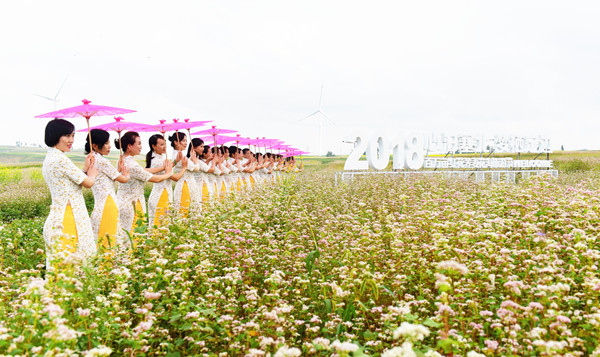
(151,295)
(411,332)
(474,354)
(36,285)
(54,310)
(62,333)
(98,352)
(432,353)
(192,315)
(454,266)
(403,351)
(276,277)
(253,352)
(344,346)
(284,351)
(83,312)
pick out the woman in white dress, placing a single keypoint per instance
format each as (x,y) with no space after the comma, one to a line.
(231,179)
(225,171)
(186,193)
(105,216)
(204,169)
(162,192)
(248,167)
(68,227)
(130,195)
(234,160)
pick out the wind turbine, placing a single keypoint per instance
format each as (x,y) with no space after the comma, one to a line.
(322,118)
(55,99)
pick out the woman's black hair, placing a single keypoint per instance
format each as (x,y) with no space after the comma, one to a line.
(152,142)
(127,139)
(99,137)
(55,129)
(205,151)
(233,150)
(194,143)
(245,151)
(177,136)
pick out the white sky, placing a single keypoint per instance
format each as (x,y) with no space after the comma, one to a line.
(519,67)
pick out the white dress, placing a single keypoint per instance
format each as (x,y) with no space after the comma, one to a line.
(201,176)
(186,180)
(244,175)
(212,182)
(63,179)
(222,184)
(104,189)
(131,193)
(158,189)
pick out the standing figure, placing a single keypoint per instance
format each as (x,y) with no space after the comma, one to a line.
(186,193)
(105,216)
(204,168)
(162,192)
(68,226)
(225,171)
(235,168)
(130,195)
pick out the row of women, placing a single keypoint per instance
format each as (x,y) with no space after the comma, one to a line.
(200,175)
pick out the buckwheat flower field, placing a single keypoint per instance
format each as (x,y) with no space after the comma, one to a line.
(378,267)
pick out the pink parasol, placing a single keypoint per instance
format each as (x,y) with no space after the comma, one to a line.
(162,128)
(187,124)
(214,131)
(118,126)
(87,111)
(221,139)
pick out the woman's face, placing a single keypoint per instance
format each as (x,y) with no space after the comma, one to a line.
(136,148)
(208,155)
(199,149)
(160,147)
(181,145)
(105,149)
(65,142)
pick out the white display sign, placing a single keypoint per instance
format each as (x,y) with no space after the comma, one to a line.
(410,152)
(484,163)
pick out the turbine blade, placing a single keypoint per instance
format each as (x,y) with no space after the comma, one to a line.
(41,96)
(326,117)
(61,87)
(308,116)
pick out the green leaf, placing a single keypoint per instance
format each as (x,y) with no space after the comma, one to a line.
(431,323)
(447,344)
(410,317)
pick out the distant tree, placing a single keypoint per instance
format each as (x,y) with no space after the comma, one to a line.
(329,154)
(562,148)
(18,143)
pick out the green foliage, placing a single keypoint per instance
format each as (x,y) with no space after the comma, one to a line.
(305,263)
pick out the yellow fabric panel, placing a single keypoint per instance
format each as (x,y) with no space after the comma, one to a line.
(161,208)
(205,193)
(223,190)
(239,184)
(69,242)
(185,199)
(108,223)
(139,213)
(252,181)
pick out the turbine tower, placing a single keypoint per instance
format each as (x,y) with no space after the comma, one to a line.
(55,99)
(321,119)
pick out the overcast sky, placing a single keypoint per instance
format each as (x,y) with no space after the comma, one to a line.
(502,67)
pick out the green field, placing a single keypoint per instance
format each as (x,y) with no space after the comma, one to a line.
(382,266)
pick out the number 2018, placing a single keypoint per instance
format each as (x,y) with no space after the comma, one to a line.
(407,153)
